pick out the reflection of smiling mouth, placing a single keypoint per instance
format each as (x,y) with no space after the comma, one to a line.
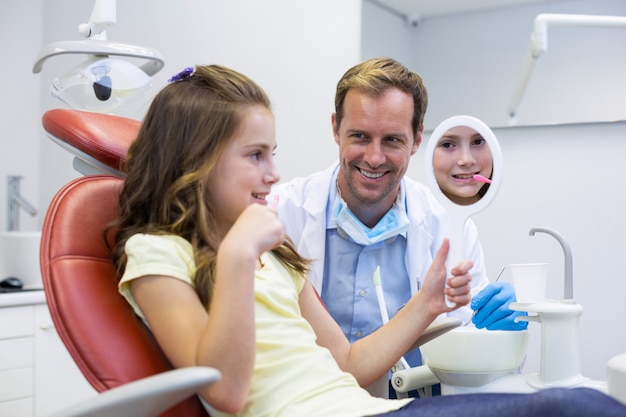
(372,175)
(463,176)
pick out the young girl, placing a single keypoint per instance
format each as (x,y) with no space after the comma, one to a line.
(460,154)
(205,262)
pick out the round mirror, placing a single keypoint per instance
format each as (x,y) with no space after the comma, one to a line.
(464,170)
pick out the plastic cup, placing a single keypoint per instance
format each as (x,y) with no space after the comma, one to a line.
(529,281)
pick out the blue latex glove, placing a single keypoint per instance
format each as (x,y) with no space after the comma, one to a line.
(492,305)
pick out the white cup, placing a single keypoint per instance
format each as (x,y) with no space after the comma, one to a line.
(530,282)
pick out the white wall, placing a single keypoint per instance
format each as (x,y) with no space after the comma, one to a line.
(20,33)
(385,34)
(565,177)
(472,63)
(296,50)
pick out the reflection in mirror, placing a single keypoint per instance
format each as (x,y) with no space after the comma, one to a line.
(460,146)
(461,162)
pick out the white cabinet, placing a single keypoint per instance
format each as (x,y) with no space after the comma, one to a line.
(37,374)
(58,381)
(16,361)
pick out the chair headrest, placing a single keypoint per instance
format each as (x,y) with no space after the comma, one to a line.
(100,140)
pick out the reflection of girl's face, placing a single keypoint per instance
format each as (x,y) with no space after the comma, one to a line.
(460,154)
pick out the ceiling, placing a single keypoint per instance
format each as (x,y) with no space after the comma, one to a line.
(420,9)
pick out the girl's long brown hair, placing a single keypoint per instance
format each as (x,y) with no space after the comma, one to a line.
(184,133)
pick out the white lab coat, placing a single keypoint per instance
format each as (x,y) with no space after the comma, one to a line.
(302,210)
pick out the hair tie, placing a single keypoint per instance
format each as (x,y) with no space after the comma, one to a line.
(183,75)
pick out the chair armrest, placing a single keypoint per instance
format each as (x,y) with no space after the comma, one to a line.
(147,397)
(438,327)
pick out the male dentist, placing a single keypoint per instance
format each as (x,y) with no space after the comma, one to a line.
(363,213)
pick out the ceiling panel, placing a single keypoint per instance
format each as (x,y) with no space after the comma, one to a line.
(431,8)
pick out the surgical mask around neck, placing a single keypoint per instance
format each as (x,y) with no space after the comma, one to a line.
(393,223)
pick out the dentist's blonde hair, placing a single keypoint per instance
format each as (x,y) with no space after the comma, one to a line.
(375,76)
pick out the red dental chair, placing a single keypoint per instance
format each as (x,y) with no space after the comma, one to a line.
(99,142)
(109,343)
(111,346)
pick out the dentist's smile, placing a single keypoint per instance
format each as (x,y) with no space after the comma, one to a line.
(371,175)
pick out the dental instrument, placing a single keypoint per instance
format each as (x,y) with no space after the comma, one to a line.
(480,178)
(384,315)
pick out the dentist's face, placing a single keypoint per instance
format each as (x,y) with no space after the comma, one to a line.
(460,154)
(376,142)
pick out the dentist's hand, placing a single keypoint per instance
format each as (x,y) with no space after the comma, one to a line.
(492,305)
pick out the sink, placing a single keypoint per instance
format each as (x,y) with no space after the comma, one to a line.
(19,257)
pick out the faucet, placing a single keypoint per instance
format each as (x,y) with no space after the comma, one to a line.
(15,202)
(569,276)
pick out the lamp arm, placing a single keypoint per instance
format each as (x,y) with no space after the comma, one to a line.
(103,16)
(103,48)
(539,44)
(542,21)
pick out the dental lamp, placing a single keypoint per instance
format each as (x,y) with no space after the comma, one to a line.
(105,81)
(539,44)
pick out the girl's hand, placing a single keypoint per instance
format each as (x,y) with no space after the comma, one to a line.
(257,228)
(434,288)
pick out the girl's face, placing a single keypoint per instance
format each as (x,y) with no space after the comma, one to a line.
(245,172)
(460,154)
